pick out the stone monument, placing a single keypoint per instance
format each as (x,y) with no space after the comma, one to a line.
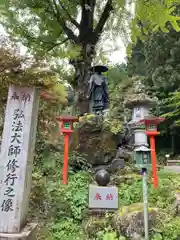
(16,162)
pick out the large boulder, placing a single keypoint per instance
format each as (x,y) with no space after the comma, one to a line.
(175,209)
(98,143)
(129,220)
(178,203)
(124,153)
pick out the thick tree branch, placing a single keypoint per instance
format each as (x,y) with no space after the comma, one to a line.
(87,20)
(62,22)
(72,20)
(102,21)
(68,32)
(57,44)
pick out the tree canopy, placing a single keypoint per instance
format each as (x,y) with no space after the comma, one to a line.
(47,25)
(157,59)
(73,29)
(28,71)
(24,71)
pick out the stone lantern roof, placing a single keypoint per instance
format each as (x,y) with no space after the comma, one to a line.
(138,97)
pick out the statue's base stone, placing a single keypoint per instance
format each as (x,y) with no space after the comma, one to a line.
(100,212)
(27,233)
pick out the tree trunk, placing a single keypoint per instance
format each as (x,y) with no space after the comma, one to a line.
(82,74)
(82,103)
(173,143)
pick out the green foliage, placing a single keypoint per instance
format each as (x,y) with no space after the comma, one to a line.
(71,200)
(62,208)
(173,105)
(59,207)
(113,236)
(56,29)
(151,17)
(76,194)
(161,198)
(22,71)
(56,23)
(137,61)
(78,162)
(157,59)
(129,194)
(155,15)
(67,230)
(29,71)
(110,236)
(119,83)
(169,229)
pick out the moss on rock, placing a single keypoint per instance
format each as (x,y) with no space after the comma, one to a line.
(94,225)
(98,143)
(130,219)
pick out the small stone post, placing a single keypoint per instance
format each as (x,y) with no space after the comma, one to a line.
(16,163)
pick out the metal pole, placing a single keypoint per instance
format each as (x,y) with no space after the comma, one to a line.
(145,200)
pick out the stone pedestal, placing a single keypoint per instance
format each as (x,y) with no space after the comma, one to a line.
(16,160)
(27,233)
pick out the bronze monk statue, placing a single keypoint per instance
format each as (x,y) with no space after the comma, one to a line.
(97,92)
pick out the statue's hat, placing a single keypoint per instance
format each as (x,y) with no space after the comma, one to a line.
(99,68)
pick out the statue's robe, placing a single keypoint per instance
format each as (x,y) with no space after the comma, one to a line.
(97,92)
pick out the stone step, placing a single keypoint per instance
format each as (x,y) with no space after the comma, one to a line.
(173,168)
(173,162)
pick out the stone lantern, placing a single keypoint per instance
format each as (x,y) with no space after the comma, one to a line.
(140,104)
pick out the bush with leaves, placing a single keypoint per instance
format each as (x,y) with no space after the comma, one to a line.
(78,162)
(118,85)
(53,202)
(61,208)
(168,229)
(67,229)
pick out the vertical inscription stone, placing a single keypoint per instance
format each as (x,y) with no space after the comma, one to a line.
(16,157)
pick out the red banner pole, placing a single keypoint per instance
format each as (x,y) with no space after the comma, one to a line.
(154,161)
(66,148)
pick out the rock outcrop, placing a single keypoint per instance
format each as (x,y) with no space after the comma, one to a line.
(99,144)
